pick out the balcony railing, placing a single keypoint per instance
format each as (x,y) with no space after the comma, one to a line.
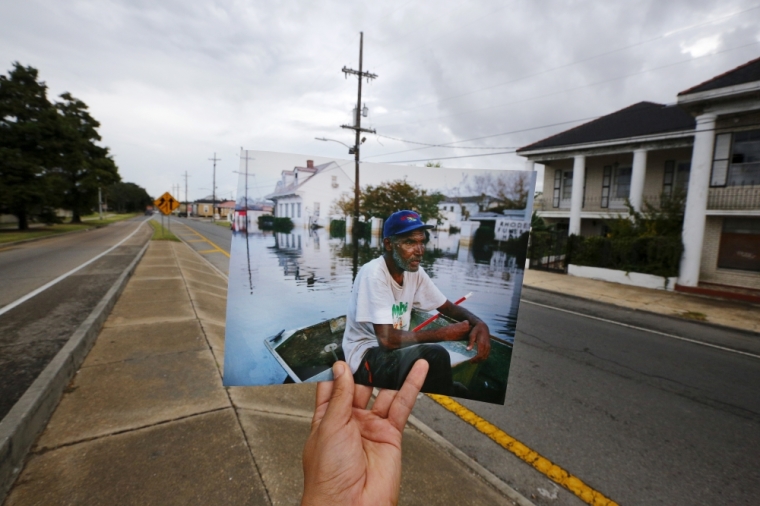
(734,198)
(594,204)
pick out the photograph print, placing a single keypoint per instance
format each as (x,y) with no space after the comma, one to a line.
(430,267)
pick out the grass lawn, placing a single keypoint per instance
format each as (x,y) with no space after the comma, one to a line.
(222,223)
(11,235)
(161,235)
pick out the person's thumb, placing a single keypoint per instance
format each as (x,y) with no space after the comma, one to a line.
(339,410)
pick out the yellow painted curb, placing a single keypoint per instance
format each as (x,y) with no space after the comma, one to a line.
(544,465)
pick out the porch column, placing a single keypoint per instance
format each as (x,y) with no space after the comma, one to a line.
(696,200)
(576,198)
(638,172)
(530,165)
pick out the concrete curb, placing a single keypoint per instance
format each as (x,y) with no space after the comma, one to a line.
(465,459)
(29,416)
(674,317)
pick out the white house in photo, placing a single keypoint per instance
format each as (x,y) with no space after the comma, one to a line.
(455,210)
(305,194)
(707,145)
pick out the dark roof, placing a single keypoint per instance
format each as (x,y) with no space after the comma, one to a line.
(644,118)
(747,73)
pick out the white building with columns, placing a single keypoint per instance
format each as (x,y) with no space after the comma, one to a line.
(707,145)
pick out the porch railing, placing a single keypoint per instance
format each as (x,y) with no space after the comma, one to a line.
(739,198)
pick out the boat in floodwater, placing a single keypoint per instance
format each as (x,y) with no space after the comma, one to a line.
(307,355)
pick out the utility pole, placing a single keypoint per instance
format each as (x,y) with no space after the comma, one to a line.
(357,127)
(187,211)
(213,190)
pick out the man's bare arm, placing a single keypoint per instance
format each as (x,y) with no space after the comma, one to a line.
(392,339)
(479,334)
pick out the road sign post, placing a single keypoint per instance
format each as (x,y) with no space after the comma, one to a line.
(166,204)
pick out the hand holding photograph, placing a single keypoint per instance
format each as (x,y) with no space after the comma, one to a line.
(431,268)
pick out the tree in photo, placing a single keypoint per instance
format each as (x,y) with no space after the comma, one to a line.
(507,190)
(386,198)
(343,206)
(82,166)
(27,130)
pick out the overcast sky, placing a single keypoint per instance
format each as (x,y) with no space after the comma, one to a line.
(172,82)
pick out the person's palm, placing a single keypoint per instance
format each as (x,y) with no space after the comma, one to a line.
(353,455)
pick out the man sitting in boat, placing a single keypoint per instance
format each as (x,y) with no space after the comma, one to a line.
(377,342)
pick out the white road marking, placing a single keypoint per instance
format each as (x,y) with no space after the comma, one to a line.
(60,278)
(672,336)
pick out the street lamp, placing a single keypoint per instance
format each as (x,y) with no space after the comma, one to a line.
(351,149)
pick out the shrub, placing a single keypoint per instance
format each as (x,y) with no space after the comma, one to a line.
(284,225)
(338,228)
(658,255)
(266,222)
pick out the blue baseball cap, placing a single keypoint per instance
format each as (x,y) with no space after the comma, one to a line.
(402,222)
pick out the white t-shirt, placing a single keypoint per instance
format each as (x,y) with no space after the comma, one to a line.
(377,298)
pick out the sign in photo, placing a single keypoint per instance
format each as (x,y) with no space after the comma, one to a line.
(310,284)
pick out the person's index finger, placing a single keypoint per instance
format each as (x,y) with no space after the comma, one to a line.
(404,401)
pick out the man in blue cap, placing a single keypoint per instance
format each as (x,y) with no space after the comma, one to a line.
(377,341)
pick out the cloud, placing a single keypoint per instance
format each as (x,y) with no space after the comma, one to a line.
(172,82)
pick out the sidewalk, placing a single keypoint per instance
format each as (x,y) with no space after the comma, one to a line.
(146,419)
(734,314)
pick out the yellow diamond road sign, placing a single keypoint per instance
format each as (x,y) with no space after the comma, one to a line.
(166,203)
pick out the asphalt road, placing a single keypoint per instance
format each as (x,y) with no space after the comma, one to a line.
(32,332)
(639,416)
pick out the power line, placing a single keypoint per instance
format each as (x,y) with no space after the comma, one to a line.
(441,145)
(492,135)
(453,157)
(691,132)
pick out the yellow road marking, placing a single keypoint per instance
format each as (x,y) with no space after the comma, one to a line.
(205,251)
(195,240)
(220,250)
(544,465)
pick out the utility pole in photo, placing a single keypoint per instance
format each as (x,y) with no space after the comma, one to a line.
(357,127)
(213,190)
(245,196)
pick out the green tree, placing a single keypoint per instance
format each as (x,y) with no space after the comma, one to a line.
(386,198)
(127,197)
(27,129)
(82,166)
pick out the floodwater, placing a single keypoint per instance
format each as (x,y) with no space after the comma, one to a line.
(288,281)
